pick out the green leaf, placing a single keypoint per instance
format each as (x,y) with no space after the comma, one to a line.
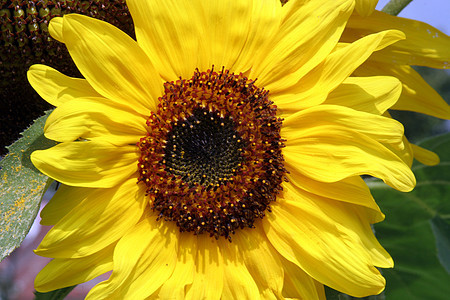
(441,230)
(54,295)
(21,187)
(416,229)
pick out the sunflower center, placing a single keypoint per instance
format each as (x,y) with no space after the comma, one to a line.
(204,149)
(211,160)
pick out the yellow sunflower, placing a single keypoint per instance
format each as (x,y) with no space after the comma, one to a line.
(212,159)
(424,46)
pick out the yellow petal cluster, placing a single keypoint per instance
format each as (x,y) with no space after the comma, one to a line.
(424,46)
(314,58)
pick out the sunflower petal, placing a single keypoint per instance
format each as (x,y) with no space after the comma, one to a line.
(208,271)
(365,7)
(95,119)
(425,156)
(379,128)
(301,42)
(178,29)
(238,282)
(320,290)
(264,23)
(55,276)
(90,225)
(143,260)
(374,94)
(64,200)
(225,40)
(183,274)
(170,36)
(55,29)
(297,284)
(354,217)
(352,190)
(332,153)
(120,70)
(324,243)
(424,45)
(57,88)
(405,153)
(255,249)
(314,87)
(87,163)
(417,95)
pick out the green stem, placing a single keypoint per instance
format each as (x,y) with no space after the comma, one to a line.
(394,7)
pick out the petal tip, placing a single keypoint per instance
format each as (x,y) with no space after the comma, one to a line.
(56,28)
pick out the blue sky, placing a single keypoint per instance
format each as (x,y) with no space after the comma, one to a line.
(433,12)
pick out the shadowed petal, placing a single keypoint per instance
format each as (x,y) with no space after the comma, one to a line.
(55,275)
(143,260)
(89,227)
(324,243)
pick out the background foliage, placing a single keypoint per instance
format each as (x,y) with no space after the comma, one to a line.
(416,231)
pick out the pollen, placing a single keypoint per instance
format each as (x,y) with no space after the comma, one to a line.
(211,160)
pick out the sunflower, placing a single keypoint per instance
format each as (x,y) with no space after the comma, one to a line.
(424,46)
(211,158)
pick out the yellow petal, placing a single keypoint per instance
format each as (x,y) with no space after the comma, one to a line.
(424,45)
(354,217)
(57,88)
(332,153)
(169,32)
(325,243)
(381,129)
(405,153)
(183,274)
(183,35)
(298,284)
(352,190)
(64,200)
(121,70)
(255,248)
(94,223)
(264,23)
(95,119)
(301,43)
(56,29)
(416,95)
(314,87)
(425,156)
(55,274)
(143,260)
(320,290)
(226,29)
(238,282)
(208,271)
(87,163)
(373,94)
(359,225)
(365,7)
